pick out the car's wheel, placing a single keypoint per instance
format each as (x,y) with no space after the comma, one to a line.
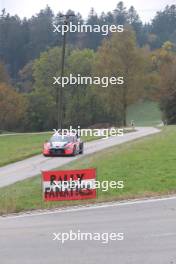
(74,151)
(81,149)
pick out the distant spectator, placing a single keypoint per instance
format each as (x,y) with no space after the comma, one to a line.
(132,124)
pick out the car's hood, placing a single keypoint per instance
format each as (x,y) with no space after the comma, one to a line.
(58,144)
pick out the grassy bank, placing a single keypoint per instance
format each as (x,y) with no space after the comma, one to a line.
(21,146)
(144,114)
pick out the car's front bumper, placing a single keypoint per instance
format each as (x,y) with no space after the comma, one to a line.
(57,152)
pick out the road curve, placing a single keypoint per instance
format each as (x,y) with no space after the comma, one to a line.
(149,235)
(33,166)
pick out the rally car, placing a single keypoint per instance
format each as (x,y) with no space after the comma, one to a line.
(59,145)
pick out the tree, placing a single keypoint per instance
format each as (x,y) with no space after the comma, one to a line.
(168,91)
(80,99)
(4,78)
(119,56)
(134,21)
(41,113)
(164,63)
(78,96)
(12,108)
(164,25)
(26,82)
(40,33)
(93,39)
(120,14)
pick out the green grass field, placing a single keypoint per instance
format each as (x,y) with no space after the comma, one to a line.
(144,114)
(147,166)
(17,147)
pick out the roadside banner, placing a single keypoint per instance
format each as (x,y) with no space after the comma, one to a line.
(69,185)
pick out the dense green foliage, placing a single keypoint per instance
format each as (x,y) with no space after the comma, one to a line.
(30,55)
(27,38)
(87,104)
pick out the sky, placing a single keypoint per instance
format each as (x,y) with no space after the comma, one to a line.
(26,8)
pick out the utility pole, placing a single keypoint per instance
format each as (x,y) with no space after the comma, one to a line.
(60,93)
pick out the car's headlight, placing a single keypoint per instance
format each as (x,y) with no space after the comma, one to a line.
(47,145)
(68,147)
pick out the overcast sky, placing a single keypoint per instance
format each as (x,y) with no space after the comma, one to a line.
(145,8)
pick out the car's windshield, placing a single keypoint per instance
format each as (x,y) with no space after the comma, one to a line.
(61,138)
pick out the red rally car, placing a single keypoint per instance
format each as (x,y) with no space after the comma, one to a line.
(60,145)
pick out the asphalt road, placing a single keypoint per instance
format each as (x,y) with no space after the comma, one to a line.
(33,166)
(149,229)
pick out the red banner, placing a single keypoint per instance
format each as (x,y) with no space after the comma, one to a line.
(69,185)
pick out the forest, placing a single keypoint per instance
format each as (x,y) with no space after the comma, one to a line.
(31,54)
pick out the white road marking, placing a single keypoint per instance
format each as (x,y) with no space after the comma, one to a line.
(161,235)
(88,207)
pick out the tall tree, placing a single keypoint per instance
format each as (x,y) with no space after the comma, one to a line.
(164,63)
(164,25)
(119,56)
(120,14)
(12,108)
(78,96)
(4,78)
